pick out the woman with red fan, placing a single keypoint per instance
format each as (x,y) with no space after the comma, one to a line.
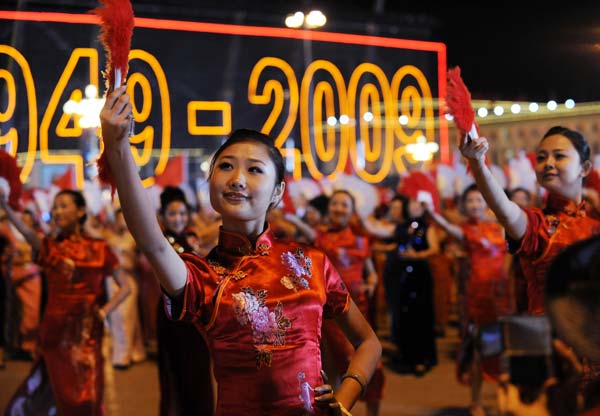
(259,302)
(536,235)
(67,377)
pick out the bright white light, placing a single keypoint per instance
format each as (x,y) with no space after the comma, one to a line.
(91,91)
(403,119)
(332,121)
(204,166)
(315,18)
(368,116)
(344,119)
(422,150)
(482,112)
(449,116)
(551,105)
(70,107)
(515,108)
(498,110)
(570,103)
(534,107)
(295,20)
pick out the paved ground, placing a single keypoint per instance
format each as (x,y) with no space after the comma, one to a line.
(435,394)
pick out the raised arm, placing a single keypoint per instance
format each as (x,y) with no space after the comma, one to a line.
(379,229)
(29,233)
(508,213)
(305,229)
(452,229)
(139,215)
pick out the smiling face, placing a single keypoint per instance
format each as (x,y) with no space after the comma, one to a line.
(65,213)
(341,208)
(243,186)
(176,217)
(559,168)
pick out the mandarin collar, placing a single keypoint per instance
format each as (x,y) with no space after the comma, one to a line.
(558,203)
(236,244)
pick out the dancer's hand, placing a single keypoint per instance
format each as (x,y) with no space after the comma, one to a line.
(116,118)
(474,149)
(325,398)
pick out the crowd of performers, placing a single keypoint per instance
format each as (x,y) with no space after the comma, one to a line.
(260,311)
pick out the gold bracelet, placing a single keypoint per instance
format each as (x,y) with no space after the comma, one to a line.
(359,379)
(344,411)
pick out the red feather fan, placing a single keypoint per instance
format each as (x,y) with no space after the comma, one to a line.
(459,104)
(115,35)
(9,172)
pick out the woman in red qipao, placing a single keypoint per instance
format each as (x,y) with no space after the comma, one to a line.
(488,293)
(537,235)
(351,255)
(67,377)
(258,301)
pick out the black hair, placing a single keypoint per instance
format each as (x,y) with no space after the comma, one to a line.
(345,192)
(78,200)
(172,194)
(320,203)
(577,140)
(248,135)
(404,199)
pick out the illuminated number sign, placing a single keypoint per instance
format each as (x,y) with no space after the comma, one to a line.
(329,100)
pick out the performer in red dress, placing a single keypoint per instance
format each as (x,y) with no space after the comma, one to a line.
(488,293)
(67,378)
(537,235)
(351,255)
(259,302)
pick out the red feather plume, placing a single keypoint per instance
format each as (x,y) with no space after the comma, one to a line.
(458,100)
(116,29)
(10,171)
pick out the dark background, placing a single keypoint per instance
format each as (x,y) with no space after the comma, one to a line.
(508,50)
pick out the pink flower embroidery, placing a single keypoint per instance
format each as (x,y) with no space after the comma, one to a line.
(268,327)
(299,265)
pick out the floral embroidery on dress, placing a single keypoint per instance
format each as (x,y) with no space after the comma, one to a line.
(305,392)
(299,265)
(268,327)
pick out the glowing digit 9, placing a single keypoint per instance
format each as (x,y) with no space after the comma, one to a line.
(12,136)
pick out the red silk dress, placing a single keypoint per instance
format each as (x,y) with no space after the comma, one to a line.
(348,252)
(560,224)
(70,367)
(261,308)
(488,288)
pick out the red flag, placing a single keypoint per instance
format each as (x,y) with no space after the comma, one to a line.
(10,172)
(67,180)
(175,172)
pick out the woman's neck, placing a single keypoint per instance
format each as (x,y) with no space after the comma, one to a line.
(250,229)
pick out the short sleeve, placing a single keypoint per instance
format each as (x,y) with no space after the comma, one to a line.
(535,238)
(338,298)
(189,306)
